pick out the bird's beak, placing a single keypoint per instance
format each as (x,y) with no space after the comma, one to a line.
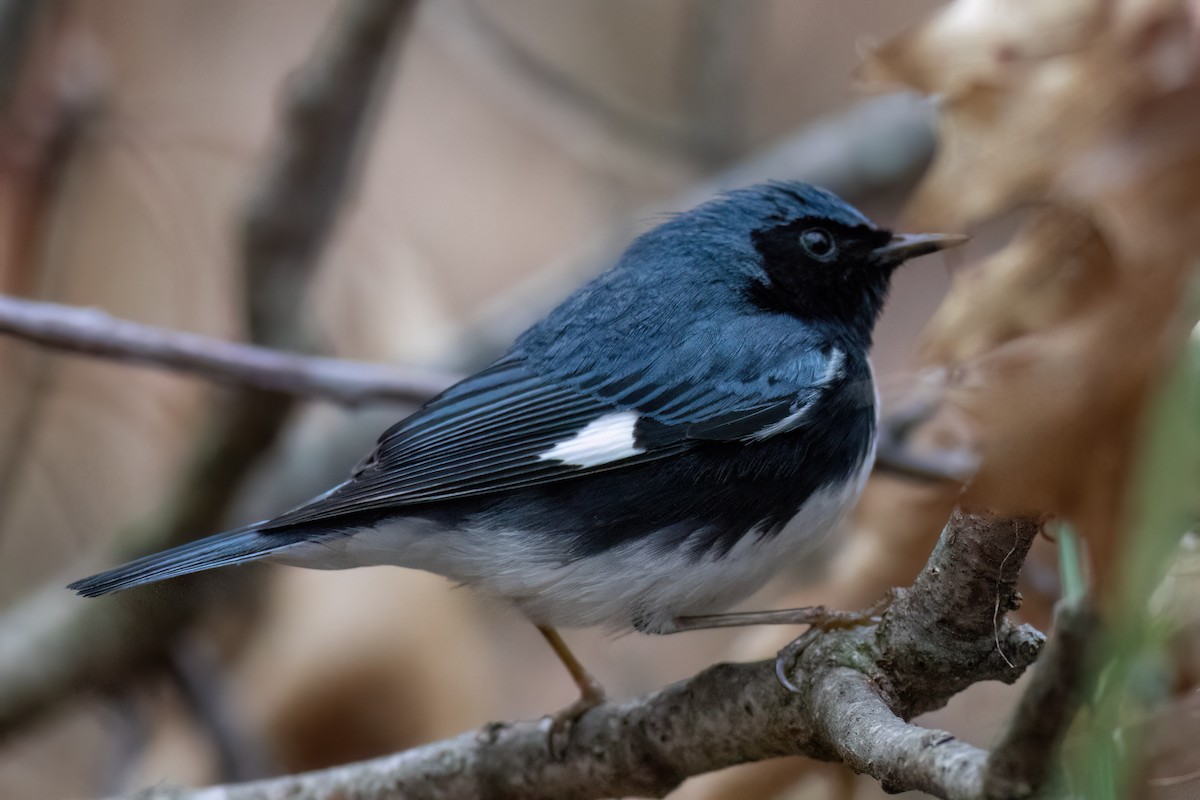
(904,246)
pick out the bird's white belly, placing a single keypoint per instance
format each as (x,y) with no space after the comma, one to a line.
(635,583)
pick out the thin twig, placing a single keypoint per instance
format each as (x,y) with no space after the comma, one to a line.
(46,111)
(352,383)
(312,170)
(897,458)
(895,453)
(895,131)
(96,333)
(713,70)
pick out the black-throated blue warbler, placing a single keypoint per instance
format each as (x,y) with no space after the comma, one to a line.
(636,457)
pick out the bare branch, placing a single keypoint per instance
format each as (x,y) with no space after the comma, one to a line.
(1018,764)
(714,69)
(869,738)
(728,714)
(96,333)
(948,630)
(93,332)
(896,454)
(197,676)
(855,688)
(46,110)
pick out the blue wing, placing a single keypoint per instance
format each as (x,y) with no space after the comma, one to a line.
(509,427)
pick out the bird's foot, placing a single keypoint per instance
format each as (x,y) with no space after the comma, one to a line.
(826,619)
(822,620)
(559,726)
(591,694)
(786,659)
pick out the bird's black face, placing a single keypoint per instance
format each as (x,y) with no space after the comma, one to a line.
(818,268)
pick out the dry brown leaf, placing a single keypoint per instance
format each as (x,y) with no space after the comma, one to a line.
(1053,270)
(1032,92)
(1088,111)
(976,42)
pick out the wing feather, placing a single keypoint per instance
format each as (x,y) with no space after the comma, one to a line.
(493,432)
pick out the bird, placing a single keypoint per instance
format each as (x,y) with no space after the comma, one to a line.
(679,430)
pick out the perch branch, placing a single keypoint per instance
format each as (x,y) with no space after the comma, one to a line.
(856,689)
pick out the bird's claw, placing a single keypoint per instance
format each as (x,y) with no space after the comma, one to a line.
(560,725)
(823,622)
(785,660)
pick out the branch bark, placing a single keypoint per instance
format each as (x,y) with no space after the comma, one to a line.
(855,690)
(96,333)
(1018,764)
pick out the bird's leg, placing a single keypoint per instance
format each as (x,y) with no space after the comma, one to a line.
(591,693)
(816,616)
(819,618)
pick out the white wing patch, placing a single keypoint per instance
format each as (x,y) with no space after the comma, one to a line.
(605,439)
(833,371)
(835,367)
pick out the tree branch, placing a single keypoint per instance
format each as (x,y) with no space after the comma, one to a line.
(855,689)
(312,169)
(894,452)
(96,333)
(1019,764)
(728,714)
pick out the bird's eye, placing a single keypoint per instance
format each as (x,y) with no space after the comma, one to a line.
(818,243)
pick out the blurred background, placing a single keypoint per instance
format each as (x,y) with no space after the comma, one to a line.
(517,146)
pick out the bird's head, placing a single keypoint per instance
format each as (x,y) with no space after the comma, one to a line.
(808,253)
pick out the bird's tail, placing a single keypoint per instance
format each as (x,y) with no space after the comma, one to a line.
(232,547)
